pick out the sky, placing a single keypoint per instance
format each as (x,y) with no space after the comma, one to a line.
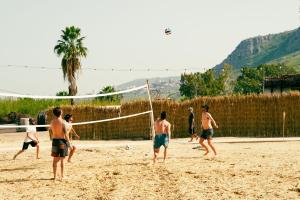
(129,34)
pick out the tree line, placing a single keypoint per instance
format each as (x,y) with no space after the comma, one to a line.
(211,83)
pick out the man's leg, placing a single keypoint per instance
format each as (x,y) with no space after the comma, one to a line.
(165,153)
(211,145)
(37,151)
(62,167)
(191,140)
(156,152)
(71,153)
(19,152)
(55,161)
(203,145)
(196,136)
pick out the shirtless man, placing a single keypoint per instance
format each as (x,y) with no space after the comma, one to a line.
(207,129)
(59,136)
(30,139)
(162,135)
(70,132)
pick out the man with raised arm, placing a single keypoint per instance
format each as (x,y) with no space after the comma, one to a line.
(60,138)
(207,129)
(162,135)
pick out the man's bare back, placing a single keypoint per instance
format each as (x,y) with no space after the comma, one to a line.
(162,127)
(58,129)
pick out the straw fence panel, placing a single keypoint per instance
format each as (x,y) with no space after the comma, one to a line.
(237,116)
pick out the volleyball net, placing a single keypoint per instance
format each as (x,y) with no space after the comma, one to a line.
(88,119)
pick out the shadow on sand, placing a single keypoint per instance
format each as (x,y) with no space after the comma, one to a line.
(26,180)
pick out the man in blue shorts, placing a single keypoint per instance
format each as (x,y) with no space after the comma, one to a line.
(162,135)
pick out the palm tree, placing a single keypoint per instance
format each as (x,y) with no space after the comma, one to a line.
(70,46)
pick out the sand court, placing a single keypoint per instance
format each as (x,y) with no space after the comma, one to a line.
(124,170)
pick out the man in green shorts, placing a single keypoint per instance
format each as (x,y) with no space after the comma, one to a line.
(162,135)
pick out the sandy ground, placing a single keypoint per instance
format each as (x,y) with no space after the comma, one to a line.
(109,170)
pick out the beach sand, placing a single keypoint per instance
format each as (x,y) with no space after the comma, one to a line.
(110,170)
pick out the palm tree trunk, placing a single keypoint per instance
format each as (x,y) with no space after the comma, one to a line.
(72,88)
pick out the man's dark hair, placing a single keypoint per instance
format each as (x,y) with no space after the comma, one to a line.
(31,121)
(206,107)
(57,111)
(163,115)
(67,117)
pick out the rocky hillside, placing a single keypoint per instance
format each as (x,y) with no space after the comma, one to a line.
(165,87)
(274,48)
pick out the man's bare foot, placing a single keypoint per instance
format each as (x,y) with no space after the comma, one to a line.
(190,141)
(154,160)
(38,157)
(206,153)
(69,161)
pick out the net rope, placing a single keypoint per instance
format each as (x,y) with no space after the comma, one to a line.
(80,123)
(75,97)
(3,94)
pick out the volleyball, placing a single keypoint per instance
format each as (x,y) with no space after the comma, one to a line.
(168,31)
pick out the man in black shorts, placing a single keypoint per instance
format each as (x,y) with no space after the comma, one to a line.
(30,139)
(191,121)
(60,138)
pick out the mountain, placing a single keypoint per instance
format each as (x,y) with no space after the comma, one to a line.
(165,87)
(273,48)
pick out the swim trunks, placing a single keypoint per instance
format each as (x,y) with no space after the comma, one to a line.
(161,140)
(26,144)
(207,134)
(59,148)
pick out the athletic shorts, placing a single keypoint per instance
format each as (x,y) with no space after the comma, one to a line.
(192,130)
(26,144)
(161,140)
(59,148)
(207,134)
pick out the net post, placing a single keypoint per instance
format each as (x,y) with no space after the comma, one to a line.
(152,132)
(283,123)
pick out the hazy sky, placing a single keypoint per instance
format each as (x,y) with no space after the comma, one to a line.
(129,34)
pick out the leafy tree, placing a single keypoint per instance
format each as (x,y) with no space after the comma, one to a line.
(203,84)
(71,48)
(109,89)
(251,79)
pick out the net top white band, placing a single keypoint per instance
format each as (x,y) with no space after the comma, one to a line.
(71,97)
(79,123)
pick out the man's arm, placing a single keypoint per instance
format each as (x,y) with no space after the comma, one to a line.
(213,121)
(66,133)
(50,133)
(30,137)
(169,131)
(73,130)
(36,136)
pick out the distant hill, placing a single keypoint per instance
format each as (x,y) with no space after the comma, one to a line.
(273,48)
(166,87)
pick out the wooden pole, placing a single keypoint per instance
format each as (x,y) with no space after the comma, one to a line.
(283,123)
(152,132)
